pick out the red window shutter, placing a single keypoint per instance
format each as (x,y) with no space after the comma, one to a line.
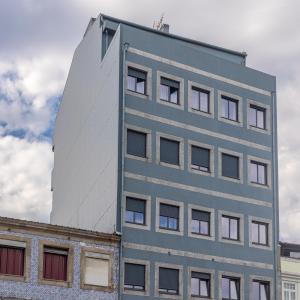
(55,266)
(12,261)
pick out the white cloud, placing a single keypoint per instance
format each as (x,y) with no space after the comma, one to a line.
(25,178)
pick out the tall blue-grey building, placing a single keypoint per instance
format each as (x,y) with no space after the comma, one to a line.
(172,143)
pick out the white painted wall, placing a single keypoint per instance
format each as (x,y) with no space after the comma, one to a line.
(86,138)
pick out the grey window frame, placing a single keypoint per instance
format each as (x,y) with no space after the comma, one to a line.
(201,91)
(238,166)
(208,222)
(169,217)
(127,143)
(257,163)
(261,282)
(206,280)
(259,223)
(228,101)
(167,291)
(229,224)
(198,168)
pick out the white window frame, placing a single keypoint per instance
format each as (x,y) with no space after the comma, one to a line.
(156,279)
(239,100)
(180,205)
(212,234)
(241,164)
(211,158)
(180,104)
(241,228)
(289,290)
(266,162)
(146,263)
(148,95)
(148,133)
(268,222)
(211,98)
(181,150)
(147,199)
(267,109)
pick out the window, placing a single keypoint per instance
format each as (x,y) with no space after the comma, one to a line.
(96,269)
(12,260)
(229,108)
(200,159)
(169,151)
(260,290)
(200,222)
(168,281)
(134,277)
(169,217)
(136,80)
(258,173)
(230,166)
(259,233)
(230,288)
(257,117)
(136,143)
(135,211)
(200,100)
(230,228)
(289,291)
(200,285)
(55,264)
(169,90)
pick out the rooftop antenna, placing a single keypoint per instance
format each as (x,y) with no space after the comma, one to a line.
(158,25)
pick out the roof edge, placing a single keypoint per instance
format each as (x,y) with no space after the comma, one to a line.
(19,224)
(192,41)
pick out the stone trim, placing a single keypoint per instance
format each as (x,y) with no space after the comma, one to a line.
(268,169)
(239,100)
(156,280)
(196,129)
(148,95)
(211,112)
(181,216)
(211,158)
(239,242)
(63,232)
(109,255)
(198,71)
(241,162)
(195,189)
(147,198)
(181,90)
(181,150)
(146,263)
(269,246)
(27,257)
(212,282)
(70,264)
(240,276)
(197,255)
(267,116)
(148,157)
(211,236)
(260,278)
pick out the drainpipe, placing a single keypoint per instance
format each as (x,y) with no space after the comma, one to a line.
(275,202)
(124,50)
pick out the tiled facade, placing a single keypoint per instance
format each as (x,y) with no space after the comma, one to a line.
(37,233)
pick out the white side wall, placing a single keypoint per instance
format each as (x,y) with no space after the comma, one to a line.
(86,138)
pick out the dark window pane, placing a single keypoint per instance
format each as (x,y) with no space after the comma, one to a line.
(200,158)
(134,276)
(168,279)
(169,210)
(200,215)
(169,151)
(136,205)
(230,166)
(136,143)
(55,264)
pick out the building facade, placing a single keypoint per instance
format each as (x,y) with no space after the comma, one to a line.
(42,261)
(172,143)
(290,271)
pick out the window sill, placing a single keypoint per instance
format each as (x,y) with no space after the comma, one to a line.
(55,283)
(201,113)
(232,179)
(170,104)
(260,246)
(108,289)
(13,277)
(230,241)
(169,231)
(259,185)
(140,158)
(138,95)
(231,122)
(164,164)
(199,172)
(136,226)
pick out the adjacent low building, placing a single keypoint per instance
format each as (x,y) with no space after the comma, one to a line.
(290,271)
(42,261)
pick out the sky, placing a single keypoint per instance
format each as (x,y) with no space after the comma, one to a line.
(37,42)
